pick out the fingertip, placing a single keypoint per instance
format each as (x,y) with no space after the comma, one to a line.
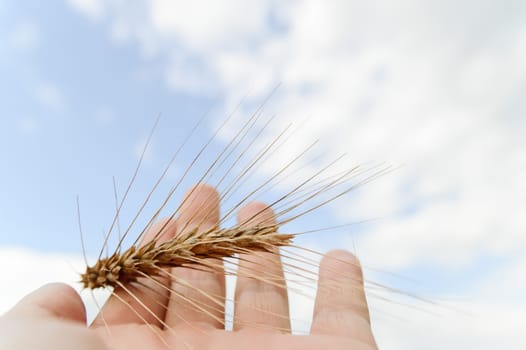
(256,213)
(343,255)
(162,231)
(200,205)
(338,260)
(203,192)
(202,186)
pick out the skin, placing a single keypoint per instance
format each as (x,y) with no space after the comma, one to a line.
(53,317)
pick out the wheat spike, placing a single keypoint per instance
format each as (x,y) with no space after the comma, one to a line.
(188,249)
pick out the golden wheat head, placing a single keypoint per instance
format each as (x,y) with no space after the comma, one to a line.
(188,249)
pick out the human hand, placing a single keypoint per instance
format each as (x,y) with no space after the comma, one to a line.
(152,317)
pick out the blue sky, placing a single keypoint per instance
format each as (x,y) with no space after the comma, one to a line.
(74,114)
(434,87)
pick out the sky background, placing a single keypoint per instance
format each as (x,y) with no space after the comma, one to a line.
(434,88)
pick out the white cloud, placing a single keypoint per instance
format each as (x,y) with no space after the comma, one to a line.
(25,36)
(94,9)
(205,26)
(488,327)
(50,95)
(490,317)
(426,85)
(104,115)
(27,126)
(28,270)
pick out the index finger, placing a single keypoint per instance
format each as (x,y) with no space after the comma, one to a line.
(145,300)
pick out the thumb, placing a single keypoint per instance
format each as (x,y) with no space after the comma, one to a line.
(56,301)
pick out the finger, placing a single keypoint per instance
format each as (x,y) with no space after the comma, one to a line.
(198,292)
(341,306)
(55,300)
(261,292)
(145,300)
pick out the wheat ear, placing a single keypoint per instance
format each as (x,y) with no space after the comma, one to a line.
(188,249)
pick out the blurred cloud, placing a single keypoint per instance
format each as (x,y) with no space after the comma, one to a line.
(493,317)
(27,126)
(429,85)
(34,269)
(50,95)
(30,270)
(94,9)
(424,84)
(487,326)
(24,36)
(220,26)
(104,115)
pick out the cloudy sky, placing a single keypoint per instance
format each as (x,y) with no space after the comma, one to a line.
(434,88)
